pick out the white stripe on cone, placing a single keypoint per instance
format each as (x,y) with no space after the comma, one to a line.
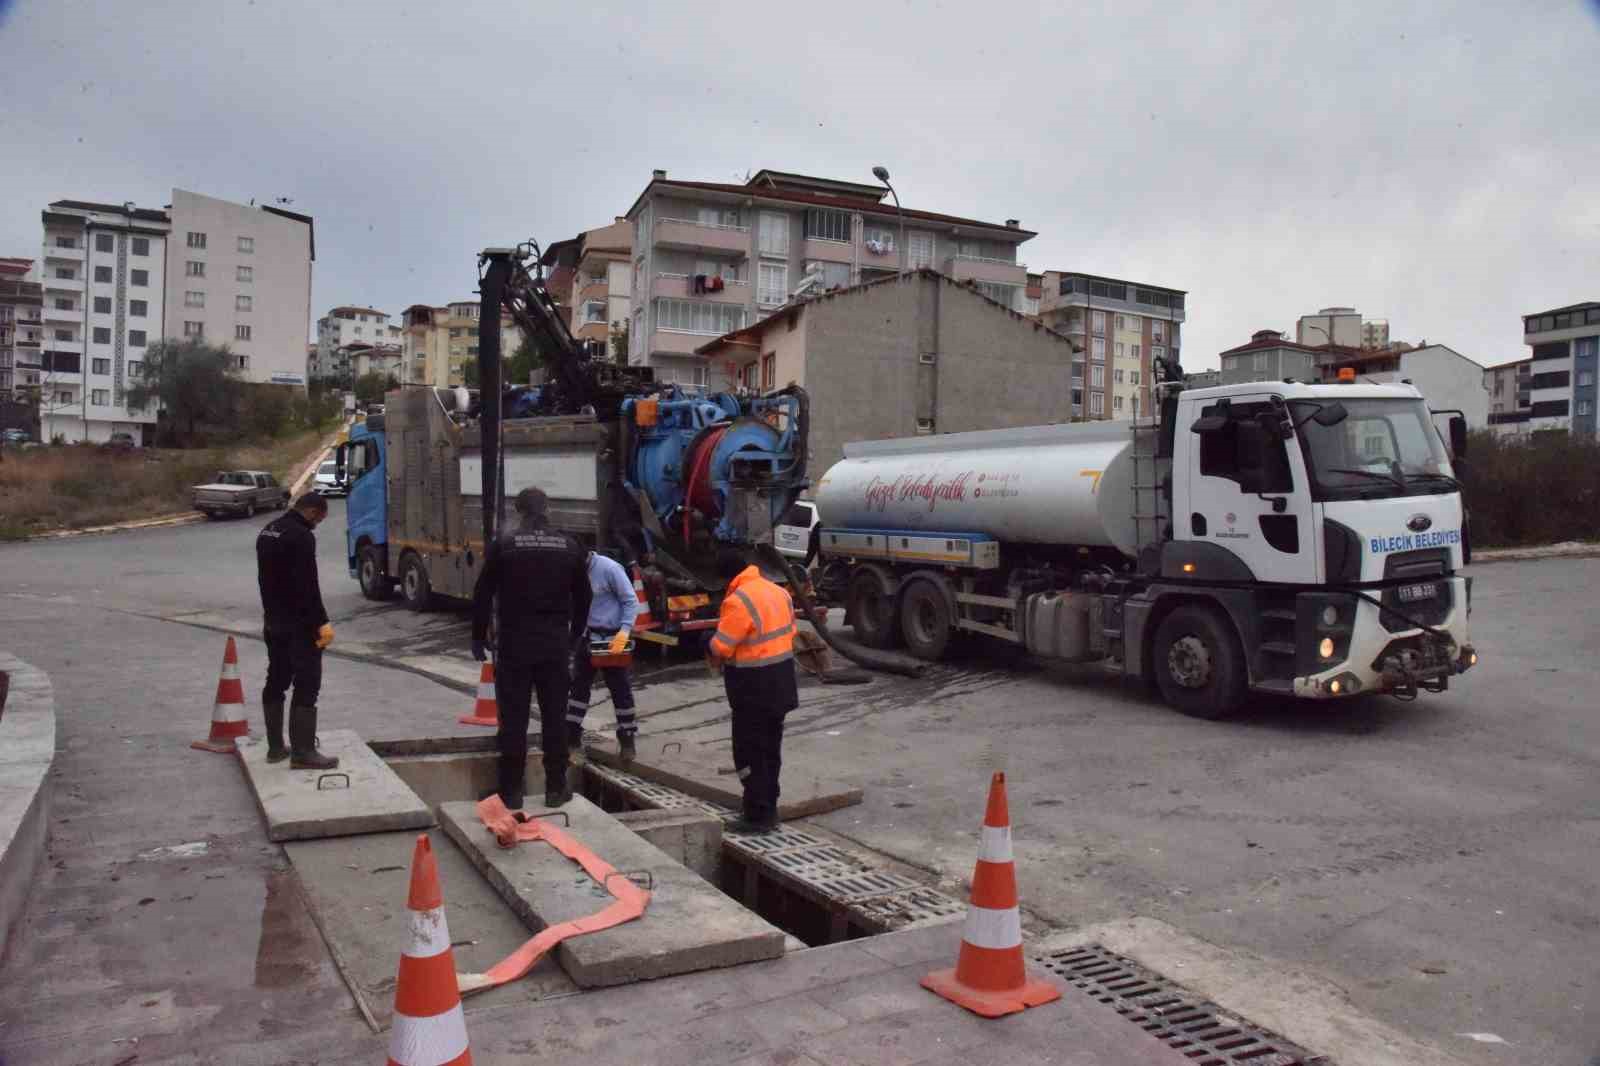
(994,844)
(230,671)
(430,934)
(228,712)
(486,691)
(429,1041)
(988,928)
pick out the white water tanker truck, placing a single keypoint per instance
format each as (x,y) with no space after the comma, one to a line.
(1274,537)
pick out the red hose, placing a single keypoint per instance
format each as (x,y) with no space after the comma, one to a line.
(697,490)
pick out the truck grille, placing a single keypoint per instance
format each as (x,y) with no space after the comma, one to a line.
(1420,567)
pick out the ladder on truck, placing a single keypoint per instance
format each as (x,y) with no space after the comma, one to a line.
(1151,514)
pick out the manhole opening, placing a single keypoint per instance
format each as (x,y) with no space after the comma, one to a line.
(798,880)
(1203,1032)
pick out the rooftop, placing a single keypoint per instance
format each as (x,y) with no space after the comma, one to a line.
(1117,281)
(353,309)
(1264,339)
(145,213)
(1563,310)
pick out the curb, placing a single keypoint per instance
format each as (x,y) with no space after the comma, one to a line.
(28,738)
(1570,549)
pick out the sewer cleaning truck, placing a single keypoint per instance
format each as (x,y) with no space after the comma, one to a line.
(1273,537)
(657,476)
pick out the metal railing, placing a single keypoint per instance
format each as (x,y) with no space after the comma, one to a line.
(706,225)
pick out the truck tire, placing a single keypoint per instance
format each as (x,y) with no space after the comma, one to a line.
(375,583)
(250,508)
(1198,664)
(925,620)
(414,583)
(872,613)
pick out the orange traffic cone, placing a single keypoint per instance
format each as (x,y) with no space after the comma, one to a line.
(227,715)
(429,1029)
(643,619)
(989,977)
(487,710)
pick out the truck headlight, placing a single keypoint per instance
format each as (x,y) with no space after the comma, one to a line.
(1330,615)
(1325,649)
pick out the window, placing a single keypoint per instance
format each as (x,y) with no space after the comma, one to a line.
(102,274)
(63,303)
(194,269)
(136,338)
(1119,349)
(691,316)
(139,308)
(1097,348)
(1240,449)
(100,397)
(102,335)
(242,303)
(105,242)
(66,273)
(102,305)
(1097,403)
(594,312)
(1077,399)
(241,333)
(362,317)
(773,234)
(1583,407)
(1259,362)
(824,224)
(140,278)
(241,362)
(66,242)
(247,244)
(772,284)
(197,240)
(1099,323)
(194,329)
(924,425)
(920,246)
(1097,376)
(193,298)
(1158,352)
(1133,377)
(1133,351)
(1116,403)
(881,239)
(1030,305)
(140,246)
(1116,375)
(718,216)
(100,366)
(769,371)
(455,331)
(1157,330)
(1585,378)
(135,368)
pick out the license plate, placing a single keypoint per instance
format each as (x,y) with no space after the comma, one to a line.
(1418,593)
(789,538)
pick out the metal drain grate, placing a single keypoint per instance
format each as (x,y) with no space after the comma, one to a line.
(1202,1031)
(903,910)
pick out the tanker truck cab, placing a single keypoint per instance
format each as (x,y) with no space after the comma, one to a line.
(361,464)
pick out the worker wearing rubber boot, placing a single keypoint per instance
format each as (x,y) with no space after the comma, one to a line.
(754,647)
(296,631)
(535,585)
(611,613)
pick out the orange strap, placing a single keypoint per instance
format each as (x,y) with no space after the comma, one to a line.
(629,900)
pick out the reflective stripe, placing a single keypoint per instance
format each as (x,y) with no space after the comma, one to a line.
(757,638)
(719,637)
(486,692)
(433,1041)
(430,933)
(744,772)
(994,844)
(749,605)
(578,705)
(768,661)
(995,929)
(575,719)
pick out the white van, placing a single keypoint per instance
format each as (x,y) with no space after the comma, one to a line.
(793,532)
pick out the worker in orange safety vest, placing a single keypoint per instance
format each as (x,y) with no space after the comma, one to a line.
(754,647)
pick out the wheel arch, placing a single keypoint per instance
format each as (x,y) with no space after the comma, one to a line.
(1236,605)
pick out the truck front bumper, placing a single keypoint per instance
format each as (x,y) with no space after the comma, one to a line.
(1401,661)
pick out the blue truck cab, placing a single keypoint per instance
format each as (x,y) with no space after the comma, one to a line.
(363,465)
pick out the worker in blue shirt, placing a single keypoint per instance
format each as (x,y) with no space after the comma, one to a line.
(611,613)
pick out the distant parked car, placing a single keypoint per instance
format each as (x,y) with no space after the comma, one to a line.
(327,481)
(792,535)
(240,492)
(121,441)
(15,436)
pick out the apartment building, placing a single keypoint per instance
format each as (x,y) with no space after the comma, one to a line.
(1510,389)
(1448,380)
(103,278)
(1342,327)
(1269,356)
(240,277)
(1119,326)
(602,282)
(1565,343)
(437,342)
(342,327)
(710,258)
(21,328)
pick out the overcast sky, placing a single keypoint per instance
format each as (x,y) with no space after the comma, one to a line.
(1434,164)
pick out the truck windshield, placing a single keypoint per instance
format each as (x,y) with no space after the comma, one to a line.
(1382,448)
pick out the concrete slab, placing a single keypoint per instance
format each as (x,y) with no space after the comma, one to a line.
(464,776)
(694,838)
(369,799)
(356,890)
(802,791)
(688,926)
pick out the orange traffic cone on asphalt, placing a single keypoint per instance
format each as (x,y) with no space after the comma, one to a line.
(643,619)
(487,710)
(990,977)
(227,714)
(429,1028)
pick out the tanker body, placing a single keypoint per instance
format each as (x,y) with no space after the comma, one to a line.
(1274,537)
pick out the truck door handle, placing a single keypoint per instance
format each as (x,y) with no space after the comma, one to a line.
(1197,524)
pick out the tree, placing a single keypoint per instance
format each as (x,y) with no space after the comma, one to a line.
(619,342)
(519,368)
(192,382)
(371,386)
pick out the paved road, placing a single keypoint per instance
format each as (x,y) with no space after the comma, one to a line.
(1436,859)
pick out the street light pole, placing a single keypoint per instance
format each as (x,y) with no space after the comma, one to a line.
(1326,334)
(882,174)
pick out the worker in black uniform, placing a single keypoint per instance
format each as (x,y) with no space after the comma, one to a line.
(296,630)
(535,582)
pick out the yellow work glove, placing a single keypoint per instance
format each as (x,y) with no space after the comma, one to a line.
(324,636)
(619,643)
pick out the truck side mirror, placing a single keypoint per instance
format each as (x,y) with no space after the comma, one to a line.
(1458,437)
(1330,414)
(339,461)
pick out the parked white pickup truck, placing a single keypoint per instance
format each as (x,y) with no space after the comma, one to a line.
(240,492)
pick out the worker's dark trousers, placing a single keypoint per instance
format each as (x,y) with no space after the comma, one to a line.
(617,681)
(516,682)
(293,658)
(758,758)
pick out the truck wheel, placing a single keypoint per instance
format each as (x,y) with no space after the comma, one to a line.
(872,613)
(375,584)
(925,620)
(1198,664)
(414,583)
(250,509)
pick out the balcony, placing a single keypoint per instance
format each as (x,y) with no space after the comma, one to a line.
(53,284)
(58,345)
(829,251)
(671,342)
(593,290)
(71,255)
(70,314)
(678,287)
(972,268)
(692,236)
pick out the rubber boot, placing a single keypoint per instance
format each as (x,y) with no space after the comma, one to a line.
(303,753)
(626,746)
(556,792)
(273,713)
(574,745)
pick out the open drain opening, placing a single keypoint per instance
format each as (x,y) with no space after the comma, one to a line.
(808,886)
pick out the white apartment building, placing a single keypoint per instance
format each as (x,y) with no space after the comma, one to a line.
(342,327)
(1342,327)
(1564,375)
(103,271)
(240,276)
(1118,328)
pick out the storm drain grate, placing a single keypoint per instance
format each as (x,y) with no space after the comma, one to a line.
(781,839)
(1202,1031)
(902,910)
